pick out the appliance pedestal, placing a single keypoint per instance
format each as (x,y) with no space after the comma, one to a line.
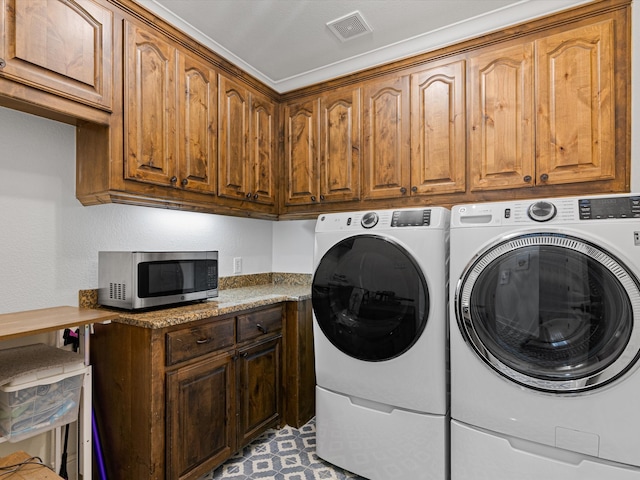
(379,442)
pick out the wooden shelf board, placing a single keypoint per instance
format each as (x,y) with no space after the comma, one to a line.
(31,322)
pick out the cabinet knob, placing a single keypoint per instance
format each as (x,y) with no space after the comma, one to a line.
(173,179)
(2,63)
(403,190)
(322,198)
(184,182)
(544,177)
(261,328)
(527,178)
(313,198)
(255,196)
(248,195)
(414,189)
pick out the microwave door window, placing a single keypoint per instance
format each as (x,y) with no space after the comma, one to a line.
(161,278)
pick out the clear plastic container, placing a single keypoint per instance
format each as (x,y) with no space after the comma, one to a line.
(29,407)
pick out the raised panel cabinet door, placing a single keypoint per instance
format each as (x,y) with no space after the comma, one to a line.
(150,118)
(340,132)
(259,388)
(502,130)
(233,135)
(198,126)
(386,138)
(438,134)
(60,46)
(200,416)
(301,153)
(576,118)
(263,149)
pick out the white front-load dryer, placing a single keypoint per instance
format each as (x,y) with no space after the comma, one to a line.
(545,339)
(379,299)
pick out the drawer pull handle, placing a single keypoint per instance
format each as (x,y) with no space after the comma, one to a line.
(261,328)
(203,341)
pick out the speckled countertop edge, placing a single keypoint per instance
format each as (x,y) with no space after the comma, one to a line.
(229,300)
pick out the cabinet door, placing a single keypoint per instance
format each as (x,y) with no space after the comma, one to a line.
(501,138)
(576,118)
(233,171)
(259,388)
(197,114)
(200,413)
(150,108)
(386,145)
(438,130)
(301,153)
(61,46)
(263,149)
(340,131)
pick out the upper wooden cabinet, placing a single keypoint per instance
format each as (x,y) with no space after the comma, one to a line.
(501,113)
(438,129)
(301,153)
(247,136)
(322,148)
(340,131)
(543,111)
(169,116)
(386,138)
(59,46)
(575,131)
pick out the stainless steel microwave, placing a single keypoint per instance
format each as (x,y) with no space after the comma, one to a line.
(135,280)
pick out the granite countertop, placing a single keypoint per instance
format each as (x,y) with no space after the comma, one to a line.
(229,300)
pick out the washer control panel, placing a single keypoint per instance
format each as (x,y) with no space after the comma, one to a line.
(411,218)
(609,207)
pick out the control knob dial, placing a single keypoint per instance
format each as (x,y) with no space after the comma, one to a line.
(369,220)
(542,211)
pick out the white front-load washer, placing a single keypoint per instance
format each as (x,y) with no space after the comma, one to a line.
(379,299)
(545,339)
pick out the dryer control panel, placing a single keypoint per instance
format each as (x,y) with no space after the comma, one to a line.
(609,207)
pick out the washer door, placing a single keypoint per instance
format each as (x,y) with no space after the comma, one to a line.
(551,312)
(370,298)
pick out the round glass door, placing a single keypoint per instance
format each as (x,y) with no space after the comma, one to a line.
(370,298)
(551,312)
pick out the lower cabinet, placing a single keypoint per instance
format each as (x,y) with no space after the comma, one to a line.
(200,401)
(173,403)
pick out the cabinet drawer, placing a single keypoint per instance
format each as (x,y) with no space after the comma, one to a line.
(195,341)
(259,323)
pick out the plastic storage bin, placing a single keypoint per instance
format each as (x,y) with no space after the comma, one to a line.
(31,406)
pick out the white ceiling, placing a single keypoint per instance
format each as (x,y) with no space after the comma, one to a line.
(287,44)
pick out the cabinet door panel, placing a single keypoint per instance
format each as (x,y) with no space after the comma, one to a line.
(198,113)
(301,155)
(438,136)
(502,131)
(259,373)
(234,135)
(386,138)
(60,46)
(340,146)
(576,132)
(150,108)
(200,401)
(263,150)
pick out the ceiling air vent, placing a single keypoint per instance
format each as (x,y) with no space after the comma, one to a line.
(349,27)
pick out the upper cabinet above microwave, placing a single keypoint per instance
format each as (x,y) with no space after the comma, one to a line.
(59,46)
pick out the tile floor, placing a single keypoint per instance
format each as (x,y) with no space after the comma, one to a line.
(285,454)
